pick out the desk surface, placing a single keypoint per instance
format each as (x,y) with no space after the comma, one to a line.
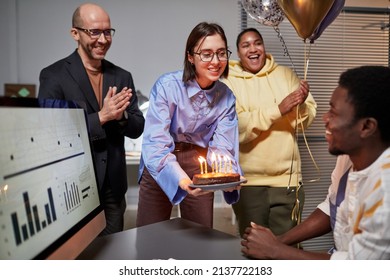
(173,239)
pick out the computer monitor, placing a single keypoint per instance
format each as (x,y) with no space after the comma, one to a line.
(49,198)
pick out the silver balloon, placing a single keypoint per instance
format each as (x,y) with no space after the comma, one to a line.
(267,12)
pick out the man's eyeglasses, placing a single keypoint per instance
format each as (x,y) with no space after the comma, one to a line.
(96,33)
(207,55)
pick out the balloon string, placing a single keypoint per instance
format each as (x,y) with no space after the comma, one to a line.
(309,151)
(296,214)
(307,58)
(296,211)
(298,116)
(276,28)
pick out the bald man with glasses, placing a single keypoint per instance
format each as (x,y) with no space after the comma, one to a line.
(107,93)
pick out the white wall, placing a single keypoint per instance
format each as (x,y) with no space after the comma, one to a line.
(150,38)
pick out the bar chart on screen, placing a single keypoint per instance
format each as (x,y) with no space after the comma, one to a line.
(35,223)
(47,178)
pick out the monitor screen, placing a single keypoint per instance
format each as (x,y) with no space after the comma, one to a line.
(49,198)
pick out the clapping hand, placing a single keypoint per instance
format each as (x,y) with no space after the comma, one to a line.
(114,104)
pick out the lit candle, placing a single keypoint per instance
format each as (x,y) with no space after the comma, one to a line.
(220,164)
(201,164)
(226,164)
(216,164)
(213,162)
(205,166)
(230,165)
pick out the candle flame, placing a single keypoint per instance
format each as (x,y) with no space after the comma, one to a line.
(219,163)
(213,165)
(201,160)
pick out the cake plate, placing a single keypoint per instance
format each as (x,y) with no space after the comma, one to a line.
(215,187)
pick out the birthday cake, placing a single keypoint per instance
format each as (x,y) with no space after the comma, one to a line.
(215,178)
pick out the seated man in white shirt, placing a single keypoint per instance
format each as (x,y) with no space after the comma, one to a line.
(357,208)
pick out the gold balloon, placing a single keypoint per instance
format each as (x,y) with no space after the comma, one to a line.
(305,15)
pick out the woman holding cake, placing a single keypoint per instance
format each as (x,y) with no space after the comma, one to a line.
(268,96)
(191,114)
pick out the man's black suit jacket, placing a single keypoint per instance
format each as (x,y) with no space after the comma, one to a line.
(67,79)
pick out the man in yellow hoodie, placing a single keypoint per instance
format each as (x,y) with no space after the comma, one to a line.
(272,103)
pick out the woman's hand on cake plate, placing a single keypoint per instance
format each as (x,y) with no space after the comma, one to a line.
(184,184)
